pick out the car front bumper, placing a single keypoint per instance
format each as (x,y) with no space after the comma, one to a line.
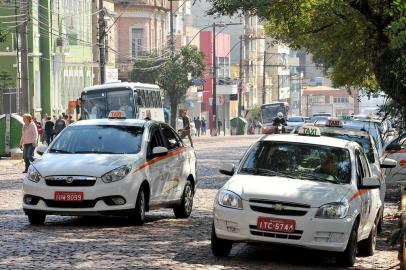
(313,233)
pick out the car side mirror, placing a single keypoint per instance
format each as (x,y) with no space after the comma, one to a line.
(41,149)
(370,183)
(393,147)
(227,169)
(388,163)
(159,151)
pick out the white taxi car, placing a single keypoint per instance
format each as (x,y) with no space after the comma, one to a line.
(111,167)
(303,190)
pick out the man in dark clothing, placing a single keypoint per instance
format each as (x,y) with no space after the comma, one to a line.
(49,130)
(279,120)
(219,124)
(186,127)
(203,126)
(59,125)
(198,125)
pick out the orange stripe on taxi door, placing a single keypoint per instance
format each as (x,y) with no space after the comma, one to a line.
(157,159)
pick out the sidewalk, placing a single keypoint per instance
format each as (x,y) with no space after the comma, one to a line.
(8,162)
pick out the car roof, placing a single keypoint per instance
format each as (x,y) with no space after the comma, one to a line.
(316,140)
(116,122)
(345,130)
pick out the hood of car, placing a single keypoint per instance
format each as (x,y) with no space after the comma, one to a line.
(294,124)
(81,164)
(283,189)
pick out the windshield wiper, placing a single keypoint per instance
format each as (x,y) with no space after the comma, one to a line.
(266,172)
(53,150)
(309,176)
(95,152)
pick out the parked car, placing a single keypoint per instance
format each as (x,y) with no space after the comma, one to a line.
(295,121)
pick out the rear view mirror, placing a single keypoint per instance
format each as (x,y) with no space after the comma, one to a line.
(41,149)
(388,163)
(159,151)
(393,147)
(227,169)
(370,183)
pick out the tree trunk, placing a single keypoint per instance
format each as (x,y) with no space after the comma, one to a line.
(174,112)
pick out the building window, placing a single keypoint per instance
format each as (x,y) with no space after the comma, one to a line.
(317,99)
(137,36)
(223,67)
(340,100)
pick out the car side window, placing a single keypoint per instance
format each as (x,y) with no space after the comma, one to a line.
(360,170)
(155,140)
(365,165)
(170,138)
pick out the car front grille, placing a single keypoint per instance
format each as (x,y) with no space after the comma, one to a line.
(279,208)
(70,181)
(82,204)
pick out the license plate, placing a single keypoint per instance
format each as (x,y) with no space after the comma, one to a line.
(276,224)
(68,196)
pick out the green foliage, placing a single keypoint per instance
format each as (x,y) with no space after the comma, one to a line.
(362,41)
(172,75)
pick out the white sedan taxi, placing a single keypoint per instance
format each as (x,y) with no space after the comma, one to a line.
(303,190)
(111,167)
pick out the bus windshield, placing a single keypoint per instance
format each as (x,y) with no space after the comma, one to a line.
(270,111)
(98,105)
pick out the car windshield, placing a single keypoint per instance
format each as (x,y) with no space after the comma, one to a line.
(296,119)
(99,140)
(300,161)
(369,127)
(361,140)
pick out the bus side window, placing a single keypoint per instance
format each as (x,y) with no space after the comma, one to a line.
(144,104)
(158,93)
(155,99)
(147,98)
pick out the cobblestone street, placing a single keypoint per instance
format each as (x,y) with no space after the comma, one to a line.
(163,242)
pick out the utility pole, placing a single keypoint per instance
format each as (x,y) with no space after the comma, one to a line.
(214,103)
(102,44)
(240,79)
(263,79)
(24,104)
(18,63)
(171,40)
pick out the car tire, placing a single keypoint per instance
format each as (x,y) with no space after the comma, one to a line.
(36,218)
(348,256)
(138,215)
(219,247)
(367,247)
(185,208)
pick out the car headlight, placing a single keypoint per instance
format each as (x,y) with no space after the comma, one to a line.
(33,175)
(333,210)
(229,199)
(116,174)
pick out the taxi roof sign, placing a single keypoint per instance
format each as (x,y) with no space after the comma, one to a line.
(334,122)
(117,115)
(309,131)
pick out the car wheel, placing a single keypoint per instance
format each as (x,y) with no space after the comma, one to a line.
(367,247)
(219,247)
(36,218)
(185,208)
(138,215)
(348,257)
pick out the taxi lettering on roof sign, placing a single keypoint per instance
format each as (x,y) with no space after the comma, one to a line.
(117,115)
(334,122)
(309,131)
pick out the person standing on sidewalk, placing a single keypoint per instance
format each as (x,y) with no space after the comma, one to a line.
(198,125)
(186,127)
(203,126)
(49,130)
(28,140)
(59,125)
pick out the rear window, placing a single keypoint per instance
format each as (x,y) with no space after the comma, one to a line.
(296,119)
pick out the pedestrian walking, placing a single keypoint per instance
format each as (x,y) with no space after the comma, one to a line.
(198,125)
(185,131)
(28,140)
(49,130)
(59,126)
(219,124)
(203,126)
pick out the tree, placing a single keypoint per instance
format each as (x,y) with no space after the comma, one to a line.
(363,41)
(174,76)
(147,69)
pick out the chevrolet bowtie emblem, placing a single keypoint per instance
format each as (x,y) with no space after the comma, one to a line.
(69,180)
(277,206)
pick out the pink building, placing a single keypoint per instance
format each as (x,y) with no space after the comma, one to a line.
(223,71)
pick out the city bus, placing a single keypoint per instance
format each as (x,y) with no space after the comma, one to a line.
(269,111)
(136,100)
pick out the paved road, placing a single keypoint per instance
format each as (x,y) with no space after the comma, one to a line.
(162,243)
